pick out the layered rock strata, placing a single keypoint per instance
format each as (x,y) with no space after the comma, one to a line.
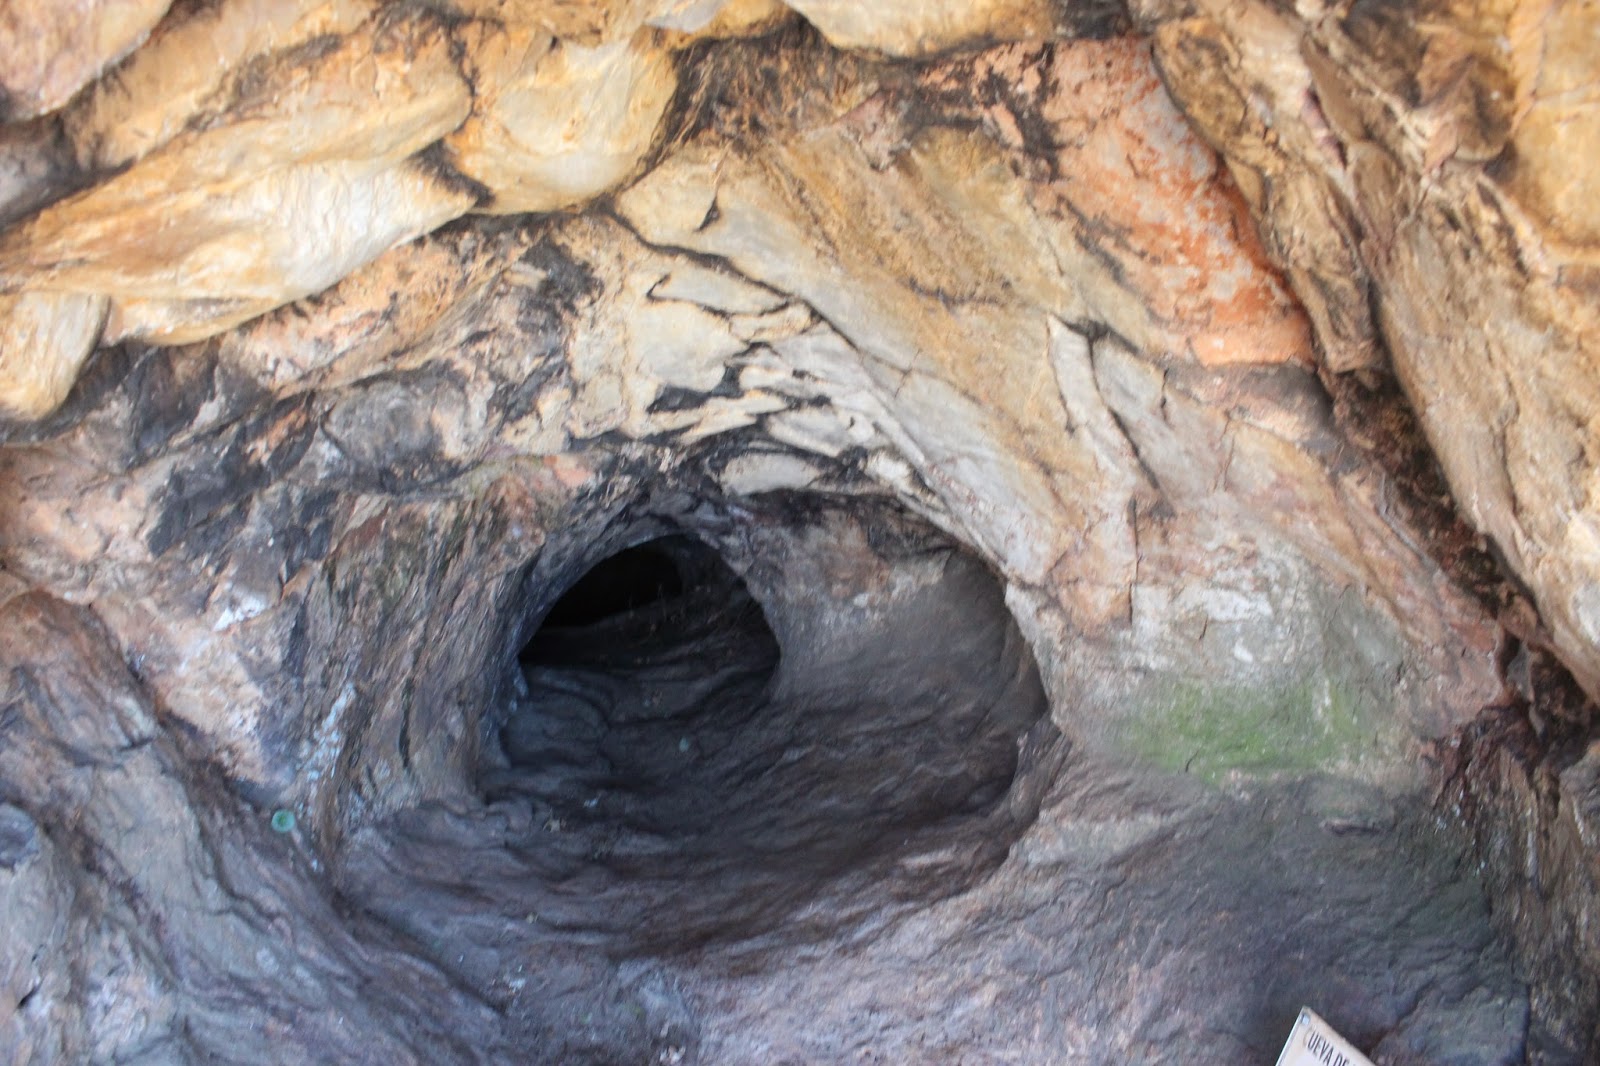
(338,338)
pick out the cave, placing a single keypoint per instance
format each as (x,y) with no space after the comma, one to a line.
(653,719)
(636,577)
(788,531)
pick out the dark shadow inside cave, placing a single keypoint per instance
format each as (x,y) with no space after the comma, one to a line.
(664,767)
(750,750)
(632,579)
(725,771)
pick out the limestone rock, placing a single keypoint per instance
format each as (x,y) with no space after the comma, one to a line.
(928,323)
(185,69)
(556,124)
(913,28)
(1554,121)
(303,179)
(356,326)
(586,23)
(44,339)
(50,48)
(954,296)
(695,20)
(1155,232)
(589,23)
(965,376)
(235,257)
(1430,163)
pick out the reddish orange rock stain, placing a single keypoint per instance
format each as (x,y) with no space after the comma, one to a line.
(1157,202)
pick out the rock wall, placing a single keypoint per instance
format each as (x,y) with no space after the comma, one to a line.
(336,336)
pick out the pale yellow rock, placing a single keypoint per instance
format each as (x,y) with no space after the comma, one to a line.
(44,339)
(685,16)
(588,22)
(187,66)
(1556,136)
(1564,196)
(916,267)
(301,181)
(376,98)
(596,22)
(924,27)
(694,20)
(557,125)
(293,233)
(379,94)
(50,48)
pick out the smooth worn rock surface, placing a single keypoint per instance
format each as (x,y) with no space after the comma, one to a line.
(50,48)
(189,67)
(557,124)
(47,336)
(302,180)
(914,29)
(1064,645)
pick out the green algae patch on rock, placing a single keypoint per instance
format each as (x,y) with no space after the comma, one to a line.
(1228,730)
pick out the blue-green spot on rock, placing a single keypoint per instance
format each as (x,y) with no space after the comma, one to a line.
(283,820)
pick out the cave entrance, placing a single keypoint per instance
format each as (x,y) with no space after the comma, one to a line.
(705,785)
(630,580)
(762,729)
(651,648)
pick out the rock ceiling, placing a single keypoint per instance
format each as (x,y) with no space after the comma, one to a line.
(1418,176)
(1252,345)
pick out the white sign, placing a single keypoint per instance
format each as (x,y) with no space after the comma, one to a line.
(1314,1043)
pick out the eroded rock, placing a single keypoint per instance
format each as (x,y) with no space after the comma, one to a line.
(556,124)
(1384,157)
(184,72)
(304,178)
(50,48)
(45,339)
(964,357)
(917,29)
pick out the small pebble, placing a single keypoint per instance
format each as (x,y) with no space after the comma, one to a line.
(683,745)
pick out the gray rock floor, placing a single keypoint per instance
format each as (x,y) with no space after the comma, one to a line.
(693,852)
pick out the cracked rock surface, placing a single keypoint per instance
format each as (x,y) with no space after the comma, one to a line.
(1118,481)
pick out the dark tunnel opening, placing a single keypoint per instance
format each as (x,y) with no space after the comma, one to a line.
(634,578)
(727,744)
(671,760)
(631,663)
